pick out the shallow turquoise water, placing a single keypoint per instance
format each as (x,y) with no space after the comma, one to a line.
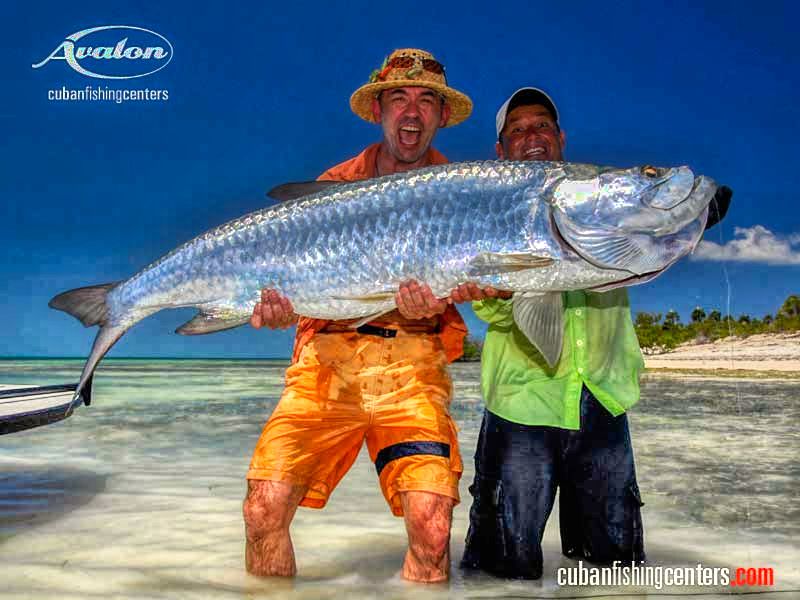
(139,495)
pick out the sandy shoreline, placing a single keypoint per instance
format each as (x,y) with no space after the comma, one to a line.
(761,353)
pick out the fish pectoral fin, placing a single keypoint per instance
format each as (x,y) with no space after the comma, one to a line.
(373,297)
(207,321)
(293,191)
(490,263)
(541,318)
(634,252)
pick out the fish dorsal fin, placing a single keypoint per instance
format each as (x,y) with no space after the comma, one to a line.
(541,318)
(293,191)
(491,263)
(208,322)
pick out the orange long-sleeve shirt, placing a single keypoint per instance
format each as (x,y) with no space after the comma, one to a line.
(452,329)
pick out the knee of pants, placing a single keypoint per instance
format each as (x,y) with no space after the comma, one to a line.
(499,543)
(603,534)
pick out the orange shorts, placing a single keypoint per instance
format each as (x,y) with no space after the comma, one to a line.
(347,387)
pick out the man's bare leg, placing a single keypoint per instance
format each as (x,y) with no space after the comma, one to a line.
(428,518)
(268,511)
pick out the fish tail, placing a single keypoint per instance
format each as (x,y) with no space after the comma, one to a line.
(106,337)
(89,306)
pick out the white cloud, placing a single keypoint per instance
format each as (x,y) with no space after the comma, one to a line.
(755,244)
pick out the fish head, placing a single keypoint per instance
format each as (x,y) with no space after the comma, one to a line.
(604,196)
(639,219)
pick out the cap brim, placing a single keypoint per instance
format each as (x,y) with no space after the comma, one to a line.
(361,100)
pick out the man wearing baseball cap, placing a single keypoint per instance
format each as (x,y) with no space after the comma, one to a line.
(385,382)
(554,428)
(562,427)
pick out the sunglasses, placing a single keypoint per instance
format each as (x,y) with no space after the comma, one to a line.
(406,62)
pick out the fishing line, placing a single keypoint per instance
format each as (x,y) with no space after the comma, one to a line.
(728,313)
(731,346)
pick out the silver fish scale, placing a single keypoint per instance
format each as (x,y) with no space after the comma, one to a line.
(342,252)
(360,239)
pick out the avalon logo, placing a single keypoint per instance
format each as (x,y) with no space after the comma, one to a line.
(120,60)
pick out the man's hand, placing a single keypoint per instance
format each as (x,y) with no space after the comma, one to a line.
(470,292)
(274,311)
(415,301)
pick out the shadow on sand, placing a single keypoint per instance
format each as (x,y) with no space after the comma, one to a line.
(33,495)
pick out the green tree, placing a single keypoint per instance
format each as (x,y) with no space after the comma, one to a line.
(671,319)
(644,319)
(790,307)
(698,314)
(715,315)
(648,330)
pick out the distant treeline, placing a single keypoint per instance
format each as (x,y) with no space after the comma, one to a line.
(657,334)
(660,333)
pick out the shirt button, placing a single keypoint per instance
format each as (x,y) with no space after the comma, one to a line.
(579,343)
(580,370)
(578,312)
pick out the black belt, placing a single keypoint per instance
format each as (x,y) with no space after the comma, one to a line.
(379,331)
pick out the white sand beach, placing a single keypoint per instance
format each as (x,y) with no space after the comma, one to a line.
(763,352)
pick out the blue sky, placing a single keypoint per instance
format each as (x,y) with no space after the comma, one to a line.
(258,95)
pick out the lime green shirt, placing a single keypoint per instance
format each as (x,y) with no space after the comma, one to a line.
(600,350)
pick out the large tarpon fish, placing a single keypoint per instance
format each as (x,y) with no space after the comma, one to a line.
(340,251)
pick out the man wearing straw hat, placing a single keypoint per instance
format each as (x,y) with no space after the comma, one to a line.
(385,382)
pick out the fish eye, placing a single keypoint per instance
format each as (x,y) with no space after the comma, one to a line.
(649,171)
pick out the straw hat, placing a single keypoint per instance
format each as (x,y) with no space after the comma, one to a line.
(410,67)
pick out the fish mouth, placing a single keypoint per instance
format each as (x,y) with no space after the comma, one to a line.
(675,202)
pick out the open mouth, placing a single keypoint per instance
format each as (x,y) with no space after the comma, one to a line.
(409,135)
(535,153)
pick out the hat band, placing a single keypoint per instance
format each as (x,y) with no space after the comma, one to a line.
(415,67)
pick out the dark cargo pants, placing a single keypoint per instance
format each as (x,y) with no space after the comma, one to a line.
(517,471)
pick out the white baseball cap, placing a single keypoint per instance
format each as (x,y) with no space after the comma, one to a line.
(522,97)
